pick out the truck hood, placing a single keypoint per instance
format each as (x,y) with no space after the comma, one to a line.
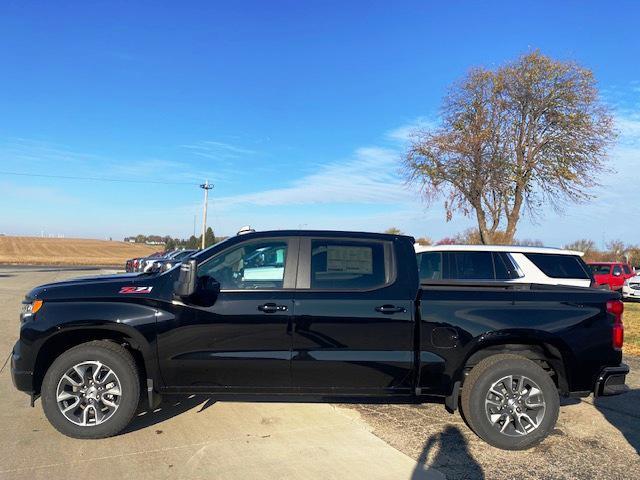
(103,286)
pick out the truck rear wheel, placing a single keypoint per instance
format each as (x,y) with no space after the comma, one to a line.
(510,402)
(91,390)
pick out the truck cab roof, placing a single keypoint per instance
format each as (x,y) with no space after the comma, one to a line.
(325,233)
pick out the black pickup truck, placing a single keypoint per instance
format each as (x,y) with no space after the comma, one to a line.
(320,316)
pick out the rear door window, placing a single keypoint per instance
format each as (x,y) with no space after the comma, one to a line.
(470,266)
(600,269)
(349,265)
(559,266)
(430,266)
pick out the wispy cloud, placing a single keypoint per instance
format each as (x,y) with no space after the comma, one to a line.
(39,194)
(629,128)
(404,132)
(363,190)
(26,151)
(615,187)
(216,150)
(367,177)
(149,167)
(26,155)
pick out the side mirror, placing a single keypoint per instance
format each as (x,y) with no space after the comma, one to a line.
(207,290)
(185,286)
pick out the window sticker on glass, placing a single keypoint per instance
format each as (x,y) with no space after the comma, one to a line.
(349,259)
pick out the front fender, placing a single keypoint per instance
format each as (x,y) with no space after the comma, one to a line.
(57,323)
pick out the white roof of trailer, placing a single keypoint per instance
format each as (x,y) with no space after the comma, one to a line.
(494,248)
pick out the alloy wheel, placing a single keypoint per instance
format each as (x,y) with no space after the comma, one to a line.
(89,393)
(515,405)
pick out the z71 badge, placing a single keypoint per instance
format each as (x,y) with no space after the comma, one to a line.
(135,290)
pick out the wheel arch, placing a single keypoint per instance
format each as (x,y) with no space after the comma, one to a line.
(67,338)
(550,354)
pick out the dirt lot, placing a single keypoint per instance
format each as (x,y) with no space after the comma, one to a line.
(199,438)
(69,251)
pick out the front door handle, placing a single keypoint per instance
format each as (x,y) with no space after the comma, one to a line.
(390,309)
(272,308)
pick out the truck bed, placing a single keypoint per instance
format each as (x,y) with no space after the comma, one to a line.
(459,318)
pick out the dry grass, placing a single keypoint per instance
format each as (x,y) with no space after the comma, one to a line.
(69,251)
(631,320)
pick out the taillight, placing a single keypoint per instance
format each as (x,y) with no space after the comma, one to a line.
(616,308)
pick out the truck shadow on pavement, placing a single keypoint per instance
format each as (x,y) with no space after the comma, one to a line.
(452,458)
(168,408)
(622,412)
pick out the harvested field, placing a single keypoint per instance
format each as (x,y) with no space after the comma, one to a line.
(69,251)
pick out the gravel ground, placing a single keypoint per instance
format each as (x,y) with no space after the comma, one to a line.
(593,440)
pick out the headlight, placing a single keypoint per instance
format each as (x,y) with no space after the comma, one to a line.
(626,282)
(168,266)
(32,307)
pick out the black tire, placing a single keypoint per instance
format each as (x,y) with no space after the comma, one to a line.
(476,388)
(120,361)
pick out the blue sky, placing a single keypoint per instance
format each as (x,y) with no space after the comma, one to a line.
(296,111)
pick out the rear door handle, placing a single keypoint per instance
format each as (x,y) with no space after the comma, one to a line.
(272,308)
(390,309)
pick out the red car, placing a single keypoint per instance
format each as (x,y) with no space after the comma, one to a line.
(612,274)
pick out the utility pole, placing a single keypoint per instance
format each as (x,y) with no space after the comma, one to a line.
(206,186)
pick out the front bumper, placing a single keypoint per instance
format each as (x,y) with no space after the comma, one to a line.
(21,373)
(628,292)
(611,381)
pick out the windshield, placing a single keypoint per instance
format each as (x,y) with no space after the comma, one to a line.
(183,254)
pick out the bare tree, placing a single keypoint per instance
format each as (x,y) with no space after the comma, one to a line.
(425,241)
(583,245)
(633,256)
(529,133)
(617,250)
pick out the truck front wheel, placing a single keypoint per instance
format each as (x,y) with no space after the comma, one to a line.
(91,390)
(510,402)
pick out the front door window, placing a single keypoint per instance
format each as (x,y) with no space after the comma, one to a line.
(250,266)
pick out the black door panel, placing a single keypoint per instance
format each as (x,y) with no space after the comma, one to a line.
(344,344)
(231,344)
(243,340)
(353,318)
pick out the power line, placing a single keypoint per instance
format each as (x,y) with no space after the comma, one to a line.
(98,179)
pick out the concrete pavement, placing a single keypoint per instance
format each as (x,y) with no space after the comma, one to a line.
(188,437)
